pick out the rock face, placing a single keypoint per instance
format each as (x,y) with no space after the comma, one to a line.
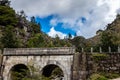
(38,58)
(113,28)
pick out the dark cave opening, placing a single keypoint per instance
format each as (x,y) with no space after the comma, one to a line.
(52,71)
(18,72)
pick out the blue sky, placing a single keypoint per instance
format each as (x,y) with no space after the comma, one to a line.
(45,23)
(83,17)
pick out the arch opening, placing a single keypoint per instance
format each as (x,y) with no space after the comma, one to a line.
(53,72)
(18,72)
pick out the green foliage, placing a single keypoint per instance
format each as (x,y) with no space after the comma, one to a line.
(32,36)
(24,74)
(22,32)
(106,41)
(97,77)
(9,39)
(19,74)
(57,42)
(7,16)
(35,28)
(41,40)
(110,37)
(57,71)
(111,75)
(104,76)
(99,56)
(79,43)
(36,41)
(18,36)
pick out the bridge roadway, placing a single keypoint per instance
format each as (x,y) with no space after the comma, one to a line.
(39,51)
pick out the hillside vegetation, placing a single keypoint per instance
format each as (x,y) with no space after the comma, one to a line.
(110,37)
(17,32)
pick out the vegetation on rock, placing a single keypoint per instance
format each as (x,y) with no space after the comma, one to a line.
(103,76)
(17,32)
(99,56)
(24,33)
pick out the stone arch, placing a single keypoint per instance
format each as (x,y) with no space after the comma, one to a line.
(55,63)
(50,69)
(18,68)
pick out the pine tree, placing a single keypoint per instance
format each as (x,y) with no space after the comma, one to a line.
(4,2)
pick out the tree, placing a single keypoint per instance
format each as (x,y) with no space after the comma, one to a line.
(56,41)
(75,35)
(78,42)
(9,39)
(22,14)
(35,28)
(33,19)
(4,2)
(39,26)
(107,40)
(69,36)
(7,16)
(57,37)
(36,41)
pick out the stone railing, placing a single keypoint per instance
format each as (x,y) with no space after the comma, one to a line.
(100,50)
(39,51)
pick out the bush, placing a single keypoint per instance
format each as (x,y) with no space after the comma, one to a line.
(97,77)
(103,76)
(7,16)
(111,75)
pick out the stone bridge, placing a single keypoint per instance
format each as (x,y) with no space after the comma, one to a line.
(75,66)
(39,58)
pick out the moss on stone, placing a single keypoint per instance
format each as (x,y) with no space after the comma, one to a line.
(99,56)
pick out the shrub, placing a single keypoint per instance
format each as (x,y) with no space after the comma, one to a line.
(111,75)
(97,77)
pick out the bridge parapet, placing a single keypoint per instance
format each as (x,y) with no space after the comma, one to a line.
(39,51)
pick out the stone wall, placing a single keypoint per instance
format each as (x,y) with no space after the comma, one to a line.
(79,66)
(0,63)
(87,63)
(105,62)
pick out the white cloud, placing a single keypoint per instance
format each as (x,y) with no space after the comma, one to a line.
(53,33)
(98,13)
(54,22)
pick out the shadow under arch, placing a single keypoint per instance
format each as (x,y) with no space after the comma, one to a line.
(47,70)
(18,71)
